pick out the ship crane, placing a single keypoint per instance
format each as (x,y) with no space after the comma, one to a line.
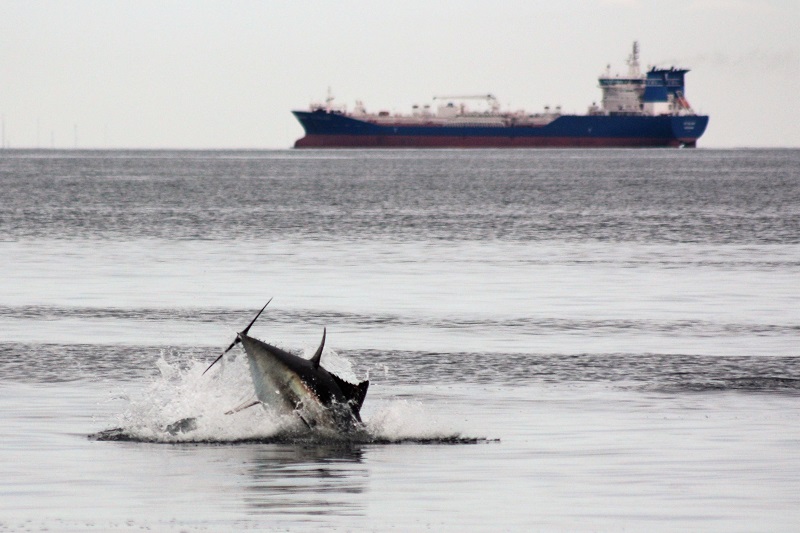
(489,98)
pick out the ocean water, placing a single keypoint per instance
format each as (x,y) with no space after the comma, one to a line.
(556,340)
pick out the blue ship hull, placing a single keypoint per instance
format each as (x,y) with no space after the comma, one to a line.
(330,129)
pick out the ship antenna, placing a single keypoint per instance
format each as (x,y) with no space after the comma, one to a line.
(633,61)
(329,100)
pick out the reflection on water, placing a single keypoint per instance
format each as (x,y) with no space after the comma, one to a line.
(306,480)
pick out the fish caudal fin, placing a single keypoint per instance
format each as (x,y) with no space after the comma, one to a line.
(238,337)
(250,325)
(220,355)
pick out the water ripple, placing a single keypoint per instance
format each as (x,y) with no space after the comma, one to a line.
(699,197)
(525,325)
(62,363)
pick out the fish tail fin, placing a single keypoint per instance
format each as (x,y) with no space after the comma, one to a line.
(250,325)
(238,337)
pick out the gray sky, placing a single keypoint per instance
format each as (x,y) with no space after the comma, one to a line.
(202,74)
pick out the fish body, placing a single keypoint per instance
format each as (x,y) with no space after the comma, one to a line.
(294,385)
(291,384)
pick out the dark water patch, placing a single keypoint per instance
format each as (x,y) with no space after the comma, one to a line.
(757,384)
(47,312)
(745,374)
(236,318)
(54,363)
(60,363)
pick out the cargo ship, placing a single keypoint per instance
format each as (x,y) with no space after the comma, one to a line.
(636,110)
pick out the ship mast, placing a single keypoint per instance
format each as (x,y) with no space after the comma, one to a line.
(633,62)
(329,100)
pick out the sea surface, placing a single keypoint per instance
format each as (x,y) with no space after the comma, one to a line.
(556,340)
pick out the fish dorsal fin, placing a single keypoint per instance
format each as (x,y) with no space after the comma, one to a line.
(318,355)
(354,394)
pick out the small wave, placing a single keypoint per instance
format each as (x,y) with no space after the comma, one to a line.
(756,384)
(75,362)
(387,368)
(517,325)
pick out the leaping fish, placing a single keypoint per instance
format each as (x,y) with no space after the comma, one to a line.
(294,385)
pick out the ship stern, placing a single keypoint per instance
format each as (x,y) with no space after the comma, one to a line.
(687,129)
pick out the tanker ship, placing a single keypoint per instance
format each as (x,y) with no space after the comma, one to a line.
(636,110)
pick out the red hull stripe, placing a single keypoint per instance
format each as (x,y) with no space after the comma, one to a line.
(420,141)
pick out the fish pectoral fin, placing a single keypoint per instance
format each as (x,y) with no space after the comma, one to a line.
(243,406)
(301,417)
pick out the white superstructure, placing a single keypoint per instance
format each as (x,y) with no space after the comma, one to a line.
(658,92)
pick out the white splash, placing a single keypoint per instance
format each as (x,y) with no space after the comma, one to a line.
(185,393)
(408,420)
(184,405)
